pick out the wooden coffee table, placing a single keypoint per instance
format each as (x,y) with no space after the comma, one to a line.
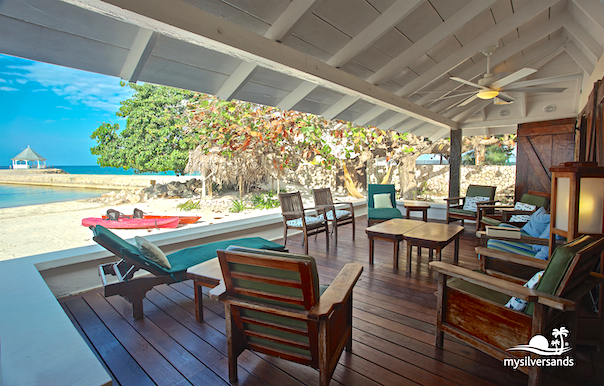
(434,236)
(206,274)
(392,230)
(417,207)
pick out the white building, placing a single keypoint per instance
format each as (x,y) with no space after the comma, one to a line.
(28,159)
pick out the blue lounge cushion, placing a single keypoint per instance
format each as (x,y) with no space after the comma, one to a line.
(537,223)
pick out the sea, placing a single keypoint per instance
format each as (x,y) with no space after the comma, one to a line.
(21,195)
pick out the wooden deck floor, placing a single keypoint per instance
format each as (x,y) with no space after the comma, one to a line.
(394,316)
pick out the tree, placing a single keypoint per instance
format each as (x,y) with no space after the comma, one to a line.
(156,137)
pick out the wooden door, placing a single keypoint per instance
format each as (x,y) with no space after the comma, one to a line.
(591,141)
(539,146)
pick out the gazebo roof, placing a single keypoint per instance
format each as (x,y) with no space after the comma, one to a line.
(28,155)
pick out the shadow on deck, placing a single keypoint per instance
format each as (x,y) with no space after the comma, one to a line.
(394,317)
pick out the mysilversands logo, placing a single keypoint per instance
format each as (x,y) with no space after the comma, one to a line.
(540,345)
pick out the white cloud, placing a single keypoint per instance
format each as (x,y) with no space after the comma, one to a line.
(64,107)
(78,87)
(4,88)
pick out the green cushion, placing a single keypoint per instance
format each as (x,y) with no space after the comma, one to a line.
(557,266)
(462,212)
(479,291)
(538,201)
(186,258)
(383,214)
(479,190)
(380,188)
(490,221)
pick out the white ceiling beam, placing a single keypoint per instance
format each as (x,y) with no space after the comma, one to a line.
(520,17)
(408,126)
(501,54)
(593,10)
(297,95)
(292,15)
(473,109)
(423,45)
(516,120)
(297,11)
(583,37)
(334,110)
(373,113)
(186,22)
(382,24)
(579,58)
(388,19)
(139,53)
(390,122)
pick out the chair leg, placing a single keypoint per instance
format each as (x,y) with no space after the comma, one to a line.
(231,342)
(284,236)
(334,229)
(353,228)
(305,241)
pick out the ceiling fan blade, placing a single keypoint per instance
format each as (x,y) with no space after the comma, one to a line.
(467,82)
(536,89)
(505,97)
(451,96)
(513,77)
(553,79)
(468,101)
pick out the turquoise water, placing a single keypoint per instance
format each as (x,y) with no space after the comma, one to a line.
(20,195)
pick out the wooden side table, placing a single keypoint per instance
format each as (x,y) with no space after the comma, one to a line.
(206,274)
(418,207)
(435,237)
(391,230)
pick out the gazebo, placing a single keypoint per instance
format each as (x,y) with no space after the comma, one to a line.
(28,159)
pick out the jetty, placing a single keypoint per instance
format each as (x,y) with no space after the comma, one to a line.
(58,178)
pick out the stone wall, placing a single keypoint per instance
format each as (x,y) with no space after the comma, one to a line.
(432,180)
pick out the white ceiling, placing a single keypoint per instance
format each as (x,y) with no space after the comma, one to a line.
(385,63)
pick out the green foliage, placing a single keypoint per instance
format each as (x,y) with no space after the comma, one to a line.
(156,137)
(265,200)
(189,205)
(497,155)
(238,206)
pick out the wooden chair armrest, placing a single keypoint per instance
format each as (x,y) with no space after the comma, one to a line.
(454,198)
(596,277)
(338,291)
(500,285)
(325,207)
(523,239)
(292,214)
(512,257)
(218,292)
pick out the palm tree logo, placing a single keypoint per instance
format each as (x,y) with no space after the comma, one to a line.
(558,341)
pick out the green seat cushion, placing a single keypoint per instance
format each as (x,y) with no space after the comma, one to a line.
(186,258)
(383,214)
(490,221)
(462,212)
(558,264)
(479,291)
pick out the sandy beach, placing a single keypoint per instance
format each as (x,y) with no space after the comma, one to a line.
(35,229)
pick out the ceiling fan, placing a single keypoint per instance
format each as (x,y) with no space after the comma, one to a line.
(490,87)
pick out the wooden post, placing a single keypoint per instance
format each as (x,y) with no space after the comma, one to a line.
(455,164)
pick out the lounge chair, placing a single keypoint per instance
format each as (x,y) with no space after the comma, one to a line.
(381,203)
(295,217)
(132,260)
(517,214)
(469,209)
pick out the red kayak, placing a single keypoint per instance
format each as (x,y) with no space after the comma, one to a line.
(132,223)
(182,219)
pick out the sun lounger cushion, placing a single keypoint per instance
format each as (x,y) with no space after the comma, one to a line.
(180,261)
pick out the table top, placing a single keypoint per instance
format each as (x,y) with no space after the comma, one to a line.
(396,227)
(416,205)
(208,272)
(435,232)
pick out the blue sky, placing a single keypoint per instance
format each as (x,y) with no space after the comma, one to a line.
(54,110)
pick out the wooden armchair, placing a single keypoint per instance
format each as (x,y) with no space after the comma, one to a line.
(382,210)
(295,217)
(274,305)
(342,216)
(504,213)
(457,209)
(470,306)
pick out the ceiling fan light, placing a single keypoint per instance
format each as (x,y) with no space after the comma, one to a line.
(498,101)
(487,94)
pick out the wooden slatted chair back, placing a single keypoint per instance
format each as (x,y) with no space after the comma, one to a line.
(291,203)
(322,196)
